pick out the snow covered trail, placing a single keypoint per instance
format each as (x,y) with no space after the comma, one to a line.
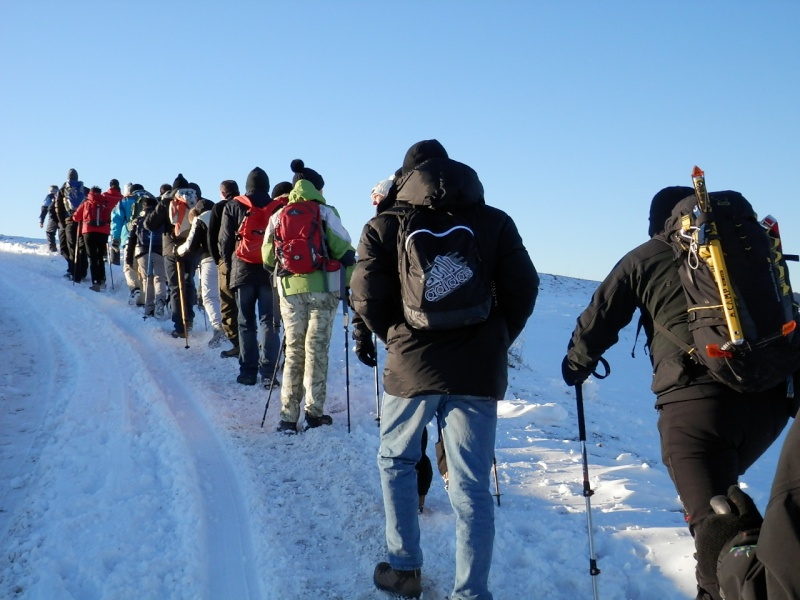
(145,462)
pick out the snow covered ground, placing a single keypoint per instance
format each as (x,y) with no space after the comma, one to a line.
(132,467)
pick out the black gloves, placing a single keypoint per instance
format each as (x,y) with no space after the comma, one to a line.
(573,377)
(365,347)
(113,257)
(736,522)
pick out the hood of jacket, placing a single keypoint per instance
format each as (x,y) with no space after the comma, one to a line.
(441,183)
(72,175)
(257,181)
(305,190)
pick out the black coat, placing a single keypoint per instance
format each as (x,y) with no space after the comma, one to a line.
(468,361)
(646,279)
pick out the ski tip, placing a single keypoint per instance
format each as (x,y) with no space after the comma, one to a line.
(697,172)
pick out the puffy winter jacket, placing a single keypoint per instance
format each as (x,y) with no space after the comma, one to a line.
(337,240)
(120,217)
(94,214)
(470,360)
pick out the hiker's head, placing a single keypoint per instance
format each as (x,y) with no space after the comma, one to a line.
(114,184)
(228,189)
(281,189)
(301,171)
(53,189)
(422,151)
(257,181)
(72,175)
(662,204)
(196,188)
(381,190)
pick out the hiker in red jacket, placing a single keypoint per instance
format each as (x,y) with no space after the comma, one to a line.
(94,220)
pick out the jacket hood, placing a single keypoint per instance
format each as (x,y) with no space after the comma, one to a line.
(202,206)
(662,204)
(441,183)
(305,190)
(422,151)
(72,175)
(257,181)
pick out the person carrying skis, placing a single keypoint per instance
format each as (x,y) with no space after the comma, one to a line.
(308,296)
(456,374)
(48,211)
(709,434)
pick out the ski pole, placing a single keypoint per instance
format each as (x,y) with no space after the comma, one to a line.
(281,350)
(587,489)
(76,237)
(148,275)
(183,304)
(110,270)
(377,381)
(346,320)
(496,480)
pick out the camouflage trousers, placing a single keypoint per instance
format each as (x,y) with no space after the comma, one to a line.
(307,322)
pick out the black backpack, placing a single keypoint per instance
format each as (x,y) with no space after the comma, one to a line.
(741,312)
(442,280)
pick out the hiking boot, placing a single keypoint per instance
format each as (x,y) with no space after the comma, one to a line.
(287,427)
(134,297)
(97,287)
(312,422)
(217,338)
(247,379)
(232,353)
(406,584)
(160,310)
(421,504)
(266,380)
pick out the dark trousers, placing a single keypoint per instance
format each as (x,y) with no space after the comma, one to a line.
(95,244)
(188,265)
(74,242)
(259,341)
(706,444)
(227,306)
(52,227)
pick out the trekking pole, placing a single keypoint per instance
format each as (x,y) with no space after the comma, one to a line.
(587,488)
(281,350)
(147,275)
(75,262)
(496,480)
(346,319)
(110,270)
(377,381)
(183,303)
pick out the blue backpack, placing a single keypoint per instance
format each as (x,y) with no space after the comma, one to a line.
(74,195)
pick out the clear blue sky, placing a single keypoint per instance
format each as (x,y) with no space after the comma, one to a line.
(573,113)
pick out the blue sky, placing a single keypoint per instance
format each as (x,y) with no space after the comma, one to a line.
(573,113)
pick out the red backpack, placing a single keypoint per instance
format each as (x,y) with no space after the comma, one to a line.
(300,239)
(250,236)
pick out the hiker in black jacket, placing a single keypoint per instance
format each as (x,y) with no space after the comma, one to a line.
(48,211)
(709,434)
(456,375)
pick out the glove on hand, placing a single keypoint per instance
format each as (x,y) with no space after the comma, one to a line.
(571,376)
(736,514)
(365,347)
(114,254)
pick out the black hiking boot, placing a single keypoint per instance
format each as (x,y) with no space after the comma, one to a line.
(287,427)
(312,422)
(406,584)
(247,379)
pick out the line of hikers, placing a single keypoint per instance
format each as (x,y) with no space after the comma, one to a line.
(445,282)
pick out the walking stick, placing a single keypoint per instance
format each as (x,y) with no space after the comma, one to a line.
(108,260)
(147,275)
(496,480)
(281,350)
(587,489)
(180,295)
(377,381)
(346,321)
(75,261)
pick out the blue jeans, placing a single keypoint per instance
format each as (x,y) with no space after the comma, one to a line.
(258,338)
(468,429)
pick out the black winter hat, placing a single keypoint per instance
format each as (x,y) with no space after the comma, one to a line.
(180,182)
(302,172)
(136,187)
(663,203)
(72,175)
(281,189)
(114,183)
(257,181)
(165,187)
(422,151)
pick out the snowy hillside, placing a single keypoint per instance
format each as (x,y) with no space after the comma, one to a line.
(131,467)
